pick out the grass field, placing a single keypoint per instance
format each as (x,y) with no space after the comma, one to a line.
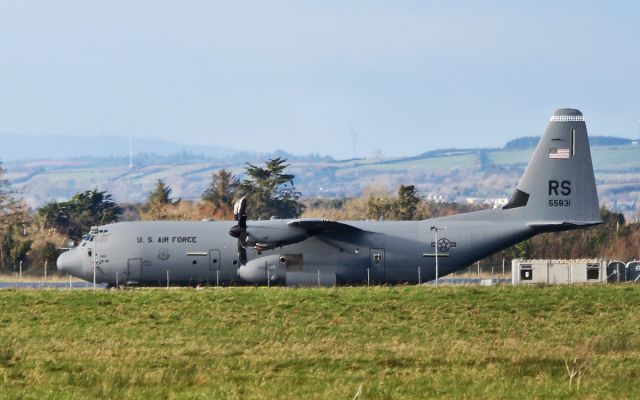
(458,161)
(400,342)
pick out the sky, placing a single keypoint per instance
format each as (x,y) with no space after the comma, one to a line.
(303,76)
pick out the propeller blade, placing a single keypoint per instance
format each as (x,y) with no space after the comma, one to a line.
(240,212)
(242,254)
(239,231)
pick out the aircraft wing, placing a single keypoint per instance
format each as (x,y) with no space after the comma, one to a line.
(317,225)
(266,235)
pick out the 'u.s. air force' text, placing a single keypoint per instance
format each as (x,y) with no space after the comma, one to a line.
(168,239)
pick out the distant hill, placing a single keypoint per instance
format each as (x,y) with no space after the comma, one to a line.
(451,174)
(528,142)
(114,150)
(61,147)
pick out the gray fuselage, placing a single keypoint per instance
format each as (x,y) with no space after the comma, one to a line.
(149,253)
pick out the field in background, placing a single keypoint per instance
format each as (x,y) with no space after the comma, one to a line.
(380,342)
(453,175)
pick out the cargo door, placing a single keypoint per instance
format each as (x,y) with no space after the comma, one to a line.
(134,270)
(214,260)
(376,265)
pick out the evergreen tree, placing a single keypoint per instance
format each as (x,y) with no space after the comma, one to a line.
(407,203)
(76,216)
(385,207)
(221,192)
(161,195)
(270,191)
(160,202)
(380,208)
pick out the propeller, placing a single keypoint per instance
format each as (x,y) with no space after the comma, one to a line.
(239,231)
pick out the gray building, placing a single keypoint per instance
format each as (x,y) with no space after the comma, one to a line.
(558,272)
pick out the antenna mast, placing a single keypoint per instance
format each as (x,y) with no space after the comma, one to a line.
(353,139)
(130,153)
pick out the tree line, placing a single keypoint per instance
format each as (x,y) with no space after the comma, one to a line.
(34,238)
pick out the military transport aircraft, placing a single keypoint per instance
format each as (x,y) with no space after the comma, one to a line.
(557,192)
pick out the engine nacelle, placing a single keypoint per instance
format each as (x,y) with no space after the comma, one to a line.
(286,269)
(256,271)
(265,236)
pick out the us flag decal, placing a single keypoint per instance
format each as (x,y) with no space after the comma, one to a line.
(562,154)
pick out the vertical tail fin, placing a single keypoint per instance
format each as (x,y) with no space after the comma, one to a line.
(558,187)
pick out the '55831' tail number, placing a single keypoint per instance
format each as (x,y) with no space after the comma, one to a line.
(559,203)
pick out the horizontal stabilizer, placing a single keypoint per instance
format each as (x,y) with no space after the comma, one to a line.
(561,226)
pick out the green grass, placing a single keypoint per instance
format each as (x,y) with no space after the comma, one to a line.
(460,161)
(509,157)
(616,158)
(400,342)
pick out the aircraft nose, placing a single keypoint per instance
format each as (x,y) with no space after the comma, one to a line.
(61,262)
(65,263)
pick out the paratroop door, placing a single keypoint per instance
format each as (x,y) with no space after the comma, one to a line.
(134,270)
